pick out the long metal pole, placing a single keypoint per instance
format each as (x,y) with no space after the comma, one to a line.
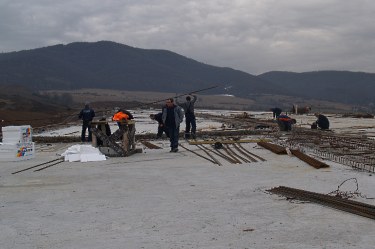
(201,90)
(36,165)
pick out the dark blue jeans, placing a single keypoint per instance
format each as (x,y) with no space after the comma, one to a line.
(190,122)
(173,136)
(86,125)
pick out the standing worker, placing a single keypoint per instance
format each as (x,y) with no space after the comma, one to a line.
(276,112)
(172,118)
(190,121)
(322,122)
(161,127)
(86,114)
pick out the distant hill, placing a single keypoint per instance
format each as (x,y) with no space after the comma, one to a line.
(337,86)
(110,65)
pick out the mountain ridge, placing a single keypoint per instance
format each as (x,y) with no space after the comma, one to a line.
(111,65)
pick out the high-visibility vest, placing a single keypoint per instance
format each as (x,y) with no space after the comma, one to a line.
(120,116)
(284,118)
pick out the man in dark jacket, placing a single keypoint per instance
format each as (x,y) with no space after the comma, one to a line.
(161,128)
(322,122)
(276,112)
(190,121)
(86,114)
(172,117)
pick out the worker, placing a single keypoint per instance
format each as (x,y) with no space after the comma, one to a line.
(121,115)
(87,114)
(285,122)
(190,120)
(322,122)
(172,117)
(276,112)
(161,127)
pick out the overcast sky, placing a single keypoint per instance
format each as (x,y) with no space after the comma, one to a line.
(255,36)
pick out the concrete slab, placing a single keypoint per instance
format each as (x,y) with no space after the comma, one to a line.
(158,199)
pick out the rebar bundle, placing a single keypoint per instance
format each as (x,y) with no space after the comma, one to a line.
(350,206)
(354,151)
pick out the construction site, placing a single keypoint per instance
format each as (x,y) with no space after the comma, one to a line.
(242,183)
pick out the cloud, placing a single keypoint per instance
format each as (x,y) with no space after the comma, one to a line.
(250,35)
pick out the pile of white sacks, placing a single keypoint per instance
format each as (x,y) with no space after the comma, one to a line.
(17,143)
(83,153)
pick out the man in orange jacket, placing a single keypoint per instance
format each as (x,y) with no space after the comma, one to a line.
(119,116)
(285,123)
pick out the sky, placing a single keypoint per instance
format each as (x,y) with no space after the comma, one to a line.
(255,36)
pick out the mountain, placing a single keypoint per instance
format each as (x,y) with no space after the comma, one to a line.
(337,86)
(109,65)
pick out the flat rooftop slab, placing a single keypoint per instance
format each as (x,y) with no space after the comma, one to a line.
(158,199)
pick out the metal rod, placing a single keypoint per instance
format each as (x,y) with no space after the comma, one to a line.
(48,166)
(35,166)
(157,101)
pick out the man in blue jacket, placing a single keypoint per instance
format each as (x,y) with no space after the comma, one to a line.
(172,118)
(86,114)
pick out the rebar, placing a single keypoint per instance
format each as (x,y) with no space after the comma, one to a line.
(362,209)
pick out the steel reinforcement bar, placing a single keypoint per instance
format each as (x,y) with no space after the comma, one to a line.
(208,159)
(252,154)
(277,149)
(359,208)
(309,160)
(244,152)
(60,160)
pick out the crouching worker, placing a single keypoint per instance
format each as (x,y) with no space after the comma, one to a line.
(121,115)
(285,123)
(322,122)
(161,127)
(128,128)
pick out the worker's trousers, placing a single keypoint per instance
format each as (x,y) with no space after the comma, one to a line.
(173,136)
(86,125)
(190,123)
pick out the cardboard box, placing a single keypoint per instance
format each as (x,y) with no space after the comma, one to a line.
(17,134)
(16,152)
